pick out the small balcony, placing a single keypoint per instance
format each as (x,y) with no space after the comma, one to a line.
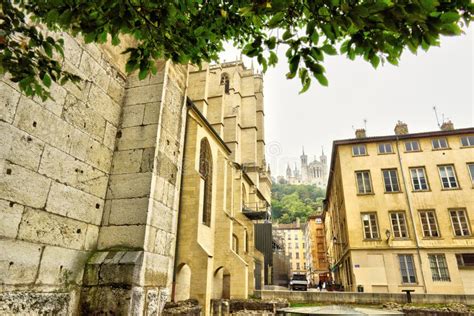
(257,211)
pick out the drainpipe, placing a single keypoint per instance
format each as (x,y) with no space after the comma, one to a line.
(412,217)
(175,263)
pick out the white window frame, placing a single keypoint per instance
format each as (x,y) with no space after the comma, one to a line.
(469,139)
(357,152)
(385,146)
(406,267)
(470,168)
(444,169)
(456,222)
(373,231)
(392,180)
(429,224)
(366,189)
(418,178)
(438,144)
(439,267)
(411,142)
(401,224)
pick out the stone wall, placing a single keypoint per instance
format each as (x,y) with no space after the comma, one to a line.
(364,298)
(90,179)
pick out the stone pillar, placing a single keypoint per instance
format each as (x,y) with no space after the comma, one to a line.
(134,263)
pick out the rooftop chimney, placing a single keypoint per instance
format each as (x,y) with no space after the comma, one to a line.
(401,128)
(360,133)
(447,126)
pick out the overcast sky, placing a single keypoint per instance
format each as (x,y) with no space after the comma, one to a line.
(441,77)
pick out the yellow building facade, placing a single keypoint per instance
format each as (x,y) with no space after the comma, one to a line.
(293,236)
(399,211)
(225,186)
(316,251)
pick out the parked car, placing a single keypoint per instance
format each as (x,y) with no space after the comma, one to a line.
(299,282)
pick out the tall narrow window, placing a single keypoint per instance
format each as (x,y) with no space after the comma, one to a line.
(467,141)
(407,268)
(459,222)
(369,222)
(364,185)
(448,177)
(439,268)
(429,224)
(246,241)
(225,82)
(359,150)
(439,143)
(399,225)
(235,244)
(418,179)
(390,178)
(470,167)
(205,169)
(465,260)
(412,146)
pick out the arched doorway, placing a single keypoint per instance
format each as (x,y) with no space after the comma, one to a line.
(221,283)
(183,282)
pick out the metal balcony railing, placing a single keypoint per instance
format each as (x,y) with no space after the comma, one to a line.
(257,210)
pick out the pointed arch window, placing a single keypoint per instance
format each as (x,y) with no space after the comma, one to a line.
(205,169)
(225,81)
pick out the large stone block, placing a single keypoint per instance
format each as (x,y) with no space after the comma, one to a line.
(133,115)
(92,236)
(23,186)
(68,170)
(21,265)
(10,217)
(131,236)
(109,135)
(91,151)
(72,50)
(152,113)
(8,102)
(134,185)
(41,123)
(104,105)
(47,228)
(80,115)
(127,161)
(157,269)
(30,303)
(73,203)
(128,211)
(20,147)
(116,91)
(161,216)
(60,266)
(93,71)
(143,94)
(54,105)
(137,137)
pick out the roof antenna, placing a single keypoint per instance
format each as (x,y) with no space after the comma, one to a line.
(436,114)
(365,124)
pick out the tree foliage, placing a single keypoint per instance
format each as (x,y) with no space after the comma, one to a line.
(195,30)
(295,201)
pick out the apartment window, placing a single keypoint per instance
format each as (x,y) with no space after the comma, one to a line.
(467,141)
(399,225)
(359,150)
(369,222)
(385,148)
(407,268)
(429,224)
(459,222)
(439,143)
(412,145)
(390,178)
(364,185)
(296,245)
(439,268)
(319,232)
(297,255)
(448,177)
(320,247)
(465,260)
(297,266)
(470,166)
(289,245)
(418,179)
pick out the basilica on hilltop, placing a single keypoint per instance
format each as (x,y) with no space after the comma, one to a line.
(314,172)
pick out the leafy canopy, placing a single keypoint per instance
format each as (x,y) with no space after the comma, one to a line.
(195,30)
(290,202)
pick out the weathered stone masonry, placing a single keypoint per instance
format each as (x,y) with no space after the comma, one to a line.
(89,188)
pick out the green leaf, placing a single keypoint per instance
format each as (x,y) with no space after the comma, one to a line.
(143,73)
(375,61)
(276,19)
(322,79)
(46,80)
(329,49)
(315,37)
(449,17)
(272,59)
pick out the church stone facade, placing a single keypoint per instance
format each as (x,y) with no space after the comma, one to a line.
(97,187)
(313,172)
